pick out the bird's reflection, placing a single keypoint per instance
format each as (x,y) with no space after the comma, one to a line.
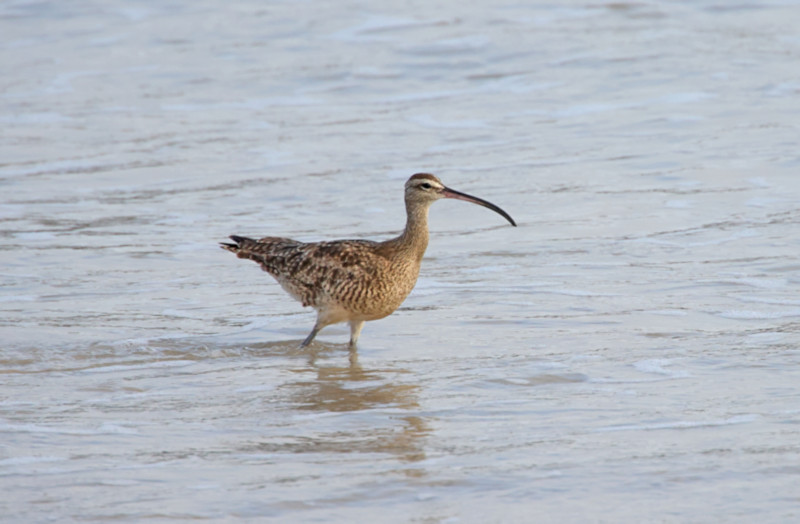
(389,402)
(351,387)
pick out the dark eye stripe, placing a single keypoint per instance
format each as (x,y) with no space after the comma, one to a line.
(425,185)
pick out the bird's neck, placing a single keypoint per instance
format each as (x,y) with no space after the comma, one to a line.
(413,240)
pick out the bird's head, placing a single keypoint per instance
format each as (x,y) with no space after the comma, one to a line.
(424,188)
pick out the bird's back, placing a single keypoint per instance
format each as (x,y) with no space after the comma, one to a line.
(359,276)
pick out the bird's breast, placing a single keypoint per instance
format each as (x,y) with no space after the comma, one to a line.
(377,291)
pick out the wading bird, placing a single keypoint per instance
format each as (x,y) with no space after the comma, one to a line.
(354,280)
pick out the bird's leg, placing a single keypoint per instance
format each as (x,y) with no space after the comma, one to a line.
(311,335)
(355,331)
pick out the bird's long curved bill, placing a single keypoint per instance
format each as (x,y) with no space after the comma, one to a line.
(458,195)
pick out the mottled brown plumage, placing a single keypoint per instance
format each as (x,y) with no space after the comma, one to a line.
(354,280)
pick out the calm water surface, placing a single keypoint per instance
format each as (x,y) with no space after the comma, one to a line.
(629,353)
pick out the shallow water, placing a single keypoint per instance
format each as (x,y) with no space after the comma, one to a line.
(629,353)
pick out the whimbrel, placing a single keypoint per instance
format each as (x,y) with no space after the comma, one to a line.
(354,280)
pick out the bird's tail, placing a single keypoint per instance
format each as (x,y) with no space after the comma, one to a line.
(243,247)
(269,252)
(240,242)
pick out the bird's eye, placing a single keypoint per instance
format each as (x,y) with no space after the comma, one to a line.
(425,185)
